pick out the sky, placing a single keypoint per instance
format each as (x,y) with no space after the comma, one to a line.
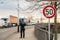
(9,7)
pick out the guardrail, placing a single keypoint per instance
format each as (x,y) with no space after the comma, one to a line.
(41,33)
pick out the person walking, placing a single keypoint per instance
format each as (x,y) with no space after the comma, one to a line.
(22,28)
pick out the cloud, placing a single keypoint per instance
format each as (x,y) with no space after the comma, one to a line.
(7,13)
(9,7)
(12,4)
(8,4)
(24,5)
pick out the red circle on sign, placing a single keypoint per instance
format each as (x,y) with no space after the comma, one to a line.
(54,9)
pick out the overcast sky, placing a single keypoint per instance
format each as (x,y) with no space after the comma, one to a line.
(9,7)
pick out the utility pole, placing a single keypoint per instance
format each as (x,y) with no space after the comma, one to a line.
(55,21)
(18,15)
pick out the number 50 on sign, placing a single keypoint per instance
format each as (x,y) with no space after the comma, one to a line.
(49,11)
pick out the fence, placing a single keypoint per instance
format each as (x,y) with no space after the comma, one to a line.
(41,32)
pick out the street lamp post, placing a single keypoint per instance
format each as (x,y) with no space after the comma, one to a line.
(18,15)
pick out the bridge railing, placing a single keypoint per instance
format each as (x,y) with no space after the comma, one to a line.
(41,32)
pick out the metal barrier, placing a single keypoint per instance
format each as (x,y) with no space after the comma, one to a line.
(41,33)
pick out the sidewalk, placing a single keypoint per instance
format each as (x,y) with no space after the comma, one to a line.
(29,35)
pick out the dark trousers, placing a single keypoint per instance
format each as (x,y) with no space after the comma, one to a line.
(22,33)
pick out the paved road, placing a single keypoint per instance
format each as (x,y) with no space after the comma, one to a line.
(6,32)
(29,35)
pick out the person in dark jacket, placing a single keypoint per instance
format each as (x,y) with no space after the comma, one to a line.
(22,28)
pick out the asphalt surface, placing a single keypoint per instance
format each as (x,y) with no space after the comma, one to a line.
(29,35)
(5,32)
(11,34)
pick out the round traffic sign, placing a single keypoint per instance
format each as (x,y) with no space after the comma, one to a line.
(49,11)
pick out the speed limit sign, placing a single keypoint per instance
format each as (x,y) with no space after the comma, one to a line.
(49,11)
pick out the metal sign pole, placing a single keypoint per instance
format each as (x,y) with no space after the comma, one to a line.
(49,29)
(49,13)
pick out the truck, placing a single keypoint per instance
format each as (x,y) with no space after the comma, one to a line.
(13,20)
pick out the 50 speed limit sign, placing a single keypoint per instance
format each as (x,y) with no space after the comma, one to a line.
(49,11)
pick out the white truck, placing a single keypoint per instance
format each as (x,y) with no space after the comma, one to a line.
(1,23)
